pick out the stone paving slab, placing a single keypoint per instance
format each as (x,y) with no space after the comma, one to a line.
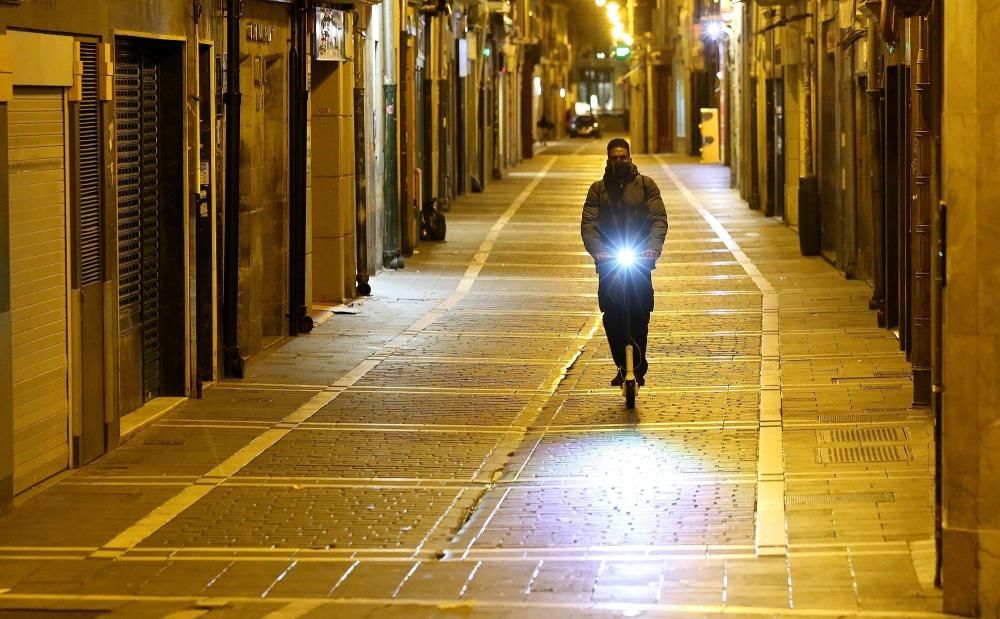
(309,517)
(456,374)
(691,372)
(505,346)
(154,452)
(366,454)
(423,408)
(599,409)
(79,516)
(680,345)
(475,466)
(657,455)
(632,515)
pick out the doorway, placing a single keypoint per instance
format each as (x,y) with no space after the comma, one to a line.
(775,102)
(895,228)
(664,109)
(149,162)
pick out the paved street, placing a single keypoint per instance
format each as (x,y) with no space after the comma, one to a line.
(454,449)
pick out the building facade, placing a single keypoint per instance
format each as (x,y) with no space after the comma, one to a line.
(184,183)
(861,125)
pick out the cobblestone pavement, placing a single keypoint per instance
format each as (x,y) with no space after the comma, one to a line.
(454,449)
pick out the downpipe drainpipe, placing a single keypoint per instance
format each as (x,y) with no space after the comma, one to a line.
(874,93)
(299,320)
(392,254)
(233,361)
(360,180)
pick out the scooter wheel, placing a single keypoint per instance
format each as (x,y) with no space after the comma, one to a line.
(630,391)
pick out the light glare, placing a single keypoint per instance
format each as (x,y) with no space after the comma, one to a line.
(626,257)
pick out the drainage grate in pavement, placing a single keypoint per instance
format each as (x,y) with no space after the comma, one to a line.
(861,418)
(881,387)
(837,499)
(863,435)
(862,455)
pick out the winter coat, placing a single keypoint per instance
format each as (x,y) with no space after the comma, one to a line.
(614,208)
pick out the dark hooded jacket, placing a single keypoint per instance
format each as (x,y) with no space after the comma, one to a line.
(620,213)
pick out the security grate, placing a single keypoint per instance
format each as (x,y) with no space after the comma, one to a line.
(863,435)
(862,454)
(150,227)
(91,250)
(137,132)
(838,499)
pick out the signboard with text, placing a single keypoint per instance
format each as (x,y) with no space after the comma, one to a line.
(331,35)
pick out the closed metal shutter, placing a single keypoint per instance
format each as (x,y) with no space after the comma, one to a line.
(137,126)
(37,177)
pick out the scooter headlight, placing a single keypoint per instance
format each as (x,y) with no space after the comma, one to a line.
(626,257)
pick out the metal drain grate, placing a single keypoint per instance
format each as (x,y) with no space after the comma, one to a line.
(163,442)
(837,499)
(881,387)
(900,411)
(861,418)
(863,435)
(863,454)
(891,374)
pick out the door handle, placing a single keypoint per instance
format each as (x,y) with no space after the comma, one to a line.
(942,243)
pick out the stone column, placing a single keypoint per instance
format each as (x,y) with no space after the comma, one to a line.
(971,325)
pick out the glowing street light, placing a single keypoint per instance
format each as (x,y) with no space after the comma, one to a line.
(713,30)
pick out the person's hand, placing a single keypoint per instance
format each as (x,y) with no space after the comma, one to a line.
(650,253)
(602,257)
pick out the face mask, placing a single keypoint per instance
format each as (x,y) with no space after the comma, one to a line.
(619,170)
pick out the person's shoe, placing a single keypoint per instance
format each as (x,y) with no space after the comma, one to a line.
(640,380)
(618,380)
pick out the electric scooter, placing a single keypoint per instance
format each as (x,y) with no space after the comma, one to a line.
(628,263)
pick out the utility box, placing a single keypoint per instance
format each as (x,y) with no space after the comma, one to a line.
(709,127)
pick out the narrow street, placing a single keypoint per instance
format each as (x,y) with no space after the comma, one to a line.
(453,447)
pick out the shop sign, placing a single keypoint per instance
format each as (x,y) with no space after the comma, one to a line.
(259,33)
(330,35)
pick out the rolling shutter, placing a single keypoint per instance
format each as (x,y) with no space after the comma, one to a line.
(37,176)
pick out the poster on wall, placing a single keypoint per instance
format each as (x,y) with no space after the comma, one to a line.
(330,35)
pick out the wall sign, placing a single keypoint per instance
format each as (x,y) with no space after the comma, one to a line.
(330,35)
(259,33)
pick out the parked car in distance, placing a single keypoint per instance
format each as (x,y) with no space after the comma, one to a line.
(584,127)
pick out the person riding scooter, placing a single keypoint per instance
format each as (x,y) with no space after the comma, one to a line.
(624,215)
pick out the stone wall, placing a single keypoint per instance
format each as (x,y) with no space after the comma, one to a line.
(971,427)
